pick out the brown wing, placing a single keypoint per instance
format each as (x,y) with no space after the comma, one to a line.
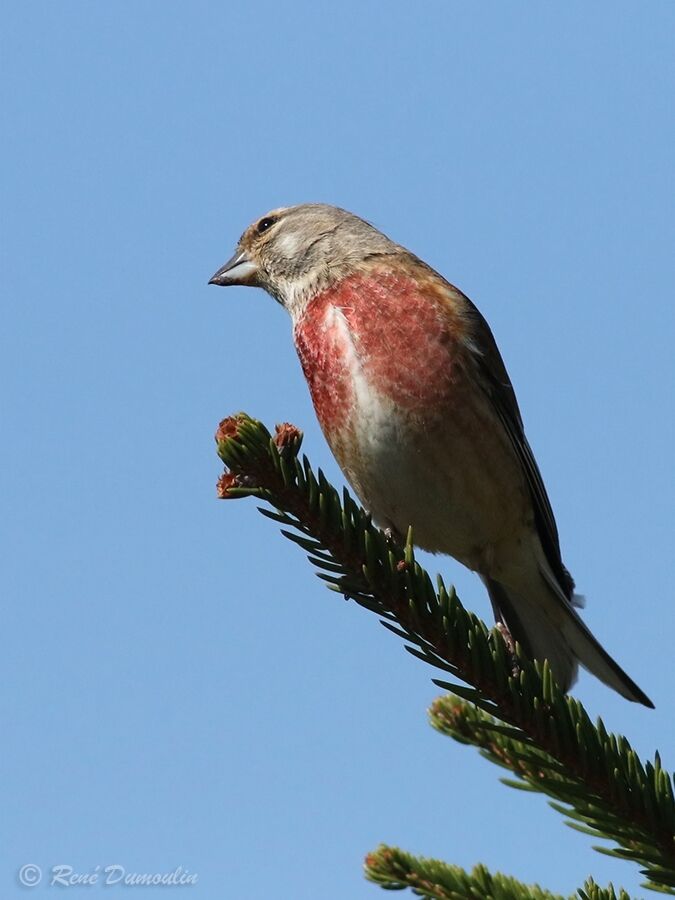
(497,384)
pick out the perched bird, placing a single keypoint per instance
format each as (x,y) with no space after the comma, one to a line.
(418,409)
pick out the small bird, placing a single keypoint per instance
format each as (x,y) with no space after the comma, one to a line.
(415,402)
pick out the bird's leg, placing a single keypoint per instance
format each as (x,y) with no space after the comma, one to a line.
(503,629)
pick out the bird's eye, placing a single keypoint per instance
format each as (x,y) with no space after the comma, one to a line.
(266,223)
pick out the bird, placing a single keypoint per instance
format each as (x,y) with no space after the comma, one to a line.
(415,402)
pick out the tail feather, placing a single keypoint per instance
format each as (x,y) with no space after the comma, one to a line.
(534,631)
(593,656)
(549,627)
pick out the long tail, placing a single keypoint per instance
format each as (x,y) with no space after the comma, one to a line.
(550,628)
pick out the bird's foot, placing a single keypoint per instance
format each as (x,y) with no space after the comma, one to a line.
(394,536)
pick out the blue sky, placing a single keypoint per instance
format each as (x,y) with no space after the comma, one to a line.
(178,687)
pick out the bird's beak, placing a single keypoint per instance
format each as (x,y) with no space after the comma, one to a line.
(238,270)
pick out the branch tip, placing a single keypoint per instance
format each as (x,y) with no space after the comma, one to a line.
(229,428)
(287,436)
(226,481)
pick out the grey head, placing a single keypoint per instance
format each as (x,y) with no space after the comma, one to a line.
(296,251)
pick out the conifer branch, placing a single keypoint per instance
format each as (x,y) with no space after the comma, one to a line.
(516,713)
(592,891)
(394,869)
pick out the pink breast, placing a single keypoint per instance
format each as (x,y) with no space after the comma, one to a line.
(322,355)
(403,331)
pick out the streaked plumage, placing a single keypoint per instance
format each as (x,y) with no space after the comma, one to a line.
(416,404)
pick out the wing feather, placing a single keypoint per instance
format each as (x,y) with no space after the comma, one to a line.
(496,383)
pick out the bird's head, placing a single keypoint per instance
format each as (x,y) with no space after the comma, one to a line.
(297,251)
